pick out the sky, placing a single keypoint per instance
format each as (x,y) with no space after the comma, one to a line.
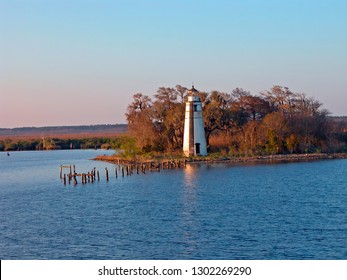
(79,62)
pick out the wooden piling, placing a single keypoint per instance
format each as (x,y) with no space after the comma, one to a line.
(98,175)
(94,173)
(106,171)
(75,179)
(64,179)
(61,171)
(130,169)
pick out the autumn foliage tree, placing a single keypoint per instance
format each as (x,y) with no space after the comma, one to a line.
(157,125)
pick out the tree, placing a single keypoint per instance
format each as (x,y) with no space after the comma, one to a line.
(275,131)
(158,125)
(250,107)
(166,96)
(308,122)
(216,113)
(181,92)
(139,117)
(174,125)
(279,98)
(292,143)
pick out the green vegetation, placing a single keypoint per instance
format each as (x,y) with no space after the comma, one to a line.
(64,130)
(58,143)
(62,137)
(238,123)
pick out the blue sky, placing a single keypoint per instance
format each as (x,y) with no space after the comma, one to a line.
(79,62)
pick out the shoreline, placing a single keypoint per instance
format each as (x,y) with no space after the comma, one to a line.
(210,160)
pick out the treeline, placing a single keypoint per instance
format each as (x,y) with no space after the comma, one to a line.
(57,143)
(77,129)
(238,123)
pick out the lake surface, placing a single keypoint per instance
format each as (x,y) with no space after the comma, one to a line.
(218,211)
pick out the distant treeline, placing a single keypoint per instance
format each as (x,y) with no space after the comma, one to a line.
(238,123)
(58,143)
(63,137)
(24,131)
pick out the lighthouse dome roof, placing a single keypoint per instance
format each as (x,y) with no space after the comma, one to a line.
(192,90)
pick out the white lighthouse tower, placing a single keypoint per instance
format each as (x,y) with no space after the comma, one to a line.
(194,141)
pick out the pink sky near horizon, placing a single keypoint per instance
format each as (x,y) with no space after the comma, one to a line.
(80,62)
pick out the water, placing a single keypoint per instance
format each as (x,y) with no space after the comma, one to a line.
(219,211)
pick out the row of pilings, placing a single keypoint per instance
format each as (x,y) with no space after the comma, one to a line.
(122,169)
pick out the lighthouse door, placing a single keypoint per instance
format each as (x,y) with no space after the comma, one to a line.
(197,148)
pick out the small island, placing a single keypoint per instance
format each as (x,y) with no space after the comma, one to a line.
(275,126)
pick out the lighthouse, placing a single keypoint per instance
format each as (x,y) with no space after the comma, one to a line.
(194,141)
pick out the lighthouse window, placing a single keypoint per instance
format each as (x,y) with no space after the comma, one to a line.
(195,108)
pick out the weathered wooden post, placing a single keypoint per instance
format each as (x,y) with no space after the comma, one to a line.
(61,171)
(75,180)
(115,170)
(64,179)
(106,173)
(98,175)
(70,170)
(122,171)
